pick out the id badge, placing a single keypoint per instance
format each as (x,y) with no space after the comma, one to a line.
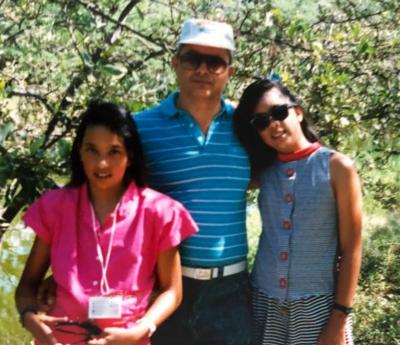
(105,307)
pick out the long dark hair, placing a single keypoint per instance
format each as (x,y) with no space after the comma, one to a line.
(260,154)
(119,121)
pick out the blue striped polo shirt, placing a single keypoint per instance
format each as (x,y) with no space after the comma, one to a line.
(208,174)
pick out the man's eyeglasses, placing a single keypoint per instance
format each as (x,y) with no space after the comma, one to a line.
(89,329)
(193,60)
(260,121)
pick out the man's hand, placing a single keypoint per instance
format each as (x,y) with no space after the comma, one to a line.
(46,295)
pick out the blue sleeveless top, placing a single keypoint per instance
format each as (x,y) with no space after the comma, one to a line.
(297,250)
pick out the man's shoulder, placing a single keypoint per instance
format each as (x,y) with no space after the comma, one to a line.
(145,113)
(156,111)
(229,105)
(158,201)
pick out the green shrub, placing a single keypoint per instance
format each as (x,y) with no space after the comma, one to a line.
(377,317)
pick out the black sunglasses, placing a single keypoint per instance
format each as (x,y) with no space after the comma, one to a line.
(260,121)
(193,60)
(89,329)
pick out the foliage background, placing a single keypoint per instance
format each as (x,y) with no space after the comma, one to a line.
(340,57)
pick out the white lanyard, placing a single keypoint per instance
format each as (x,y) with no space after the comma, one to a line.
(104,287)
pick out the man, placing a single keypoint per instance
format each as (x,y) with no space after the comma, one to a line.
(193,156)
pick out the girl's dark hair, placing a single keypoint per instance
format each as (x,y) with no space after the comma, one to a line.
(119,121)
(260,154)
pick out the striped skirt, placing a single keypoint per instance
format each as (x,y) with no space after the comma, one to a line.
(296,322)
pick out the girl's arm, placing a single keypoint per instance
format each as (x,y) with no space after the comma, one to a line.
(169,297)
(35,269)
(170,286)
(347,189)
(348,198)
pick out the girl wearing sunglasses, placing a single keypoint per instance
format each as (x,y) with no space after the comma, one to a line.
(107,238)
(309,254)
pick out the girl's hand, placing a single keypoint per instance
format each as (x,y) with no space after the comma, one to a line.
(329,337)
(334,331)
(38,325)
(120,336)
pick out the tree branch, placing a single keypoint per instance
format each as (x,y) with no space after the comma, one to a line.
(40,98)
(95,10)
(79,79)
(243,20)
(170,5)
(76,82)
(55,138)
(75,44)
(128,8)
(135,66)
(17,33)
(332,20)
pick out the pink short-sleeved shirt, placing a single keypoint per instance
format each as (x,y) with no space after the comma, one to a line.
(147,223)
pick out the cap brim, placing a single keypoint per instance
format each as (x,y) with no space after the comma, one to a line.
(208,43)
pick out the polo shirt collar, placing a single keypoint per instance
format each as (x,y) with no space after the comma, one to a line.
(169,108)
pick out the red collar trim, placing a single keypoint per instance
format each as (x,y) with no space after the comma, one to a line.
(295,156)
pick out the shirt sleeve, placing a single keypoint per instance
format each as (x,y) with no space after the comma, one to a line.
(39,217)
(176,226)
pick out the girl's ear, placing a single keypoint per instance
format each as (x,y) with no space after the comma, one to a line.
(80,152)
(299,113)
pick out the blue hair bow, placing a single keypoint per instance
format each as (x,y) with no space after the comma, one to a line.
(274,76)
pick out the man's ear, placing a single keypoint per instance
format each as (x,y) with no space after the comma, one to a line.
(231,71)
(174,61)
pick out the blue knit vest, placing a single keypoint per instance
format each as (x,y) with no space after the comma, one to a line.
(297,252)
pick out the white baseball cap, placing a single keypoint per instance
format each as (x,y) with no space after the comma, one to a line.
(209,33)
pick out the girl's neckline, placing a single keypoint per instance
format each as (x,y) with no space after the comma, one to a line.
(298,155)
(105,206)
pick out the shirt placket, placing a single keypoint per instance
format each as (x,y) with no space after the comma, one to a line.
(194,129)
(201,139)
(288,178)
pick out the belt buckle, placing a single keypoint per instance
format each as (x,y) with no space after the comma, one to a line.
(202,273)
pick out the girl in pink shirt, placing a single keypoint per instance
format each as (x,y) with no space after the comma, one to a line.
(107,239)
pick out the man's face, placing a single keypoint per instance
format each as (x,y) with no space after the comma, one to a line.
(202,71)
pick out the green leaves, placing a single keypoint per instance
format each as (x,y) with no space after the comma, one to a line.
(364,46)
(113,70)
(87,59)
(5,130)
